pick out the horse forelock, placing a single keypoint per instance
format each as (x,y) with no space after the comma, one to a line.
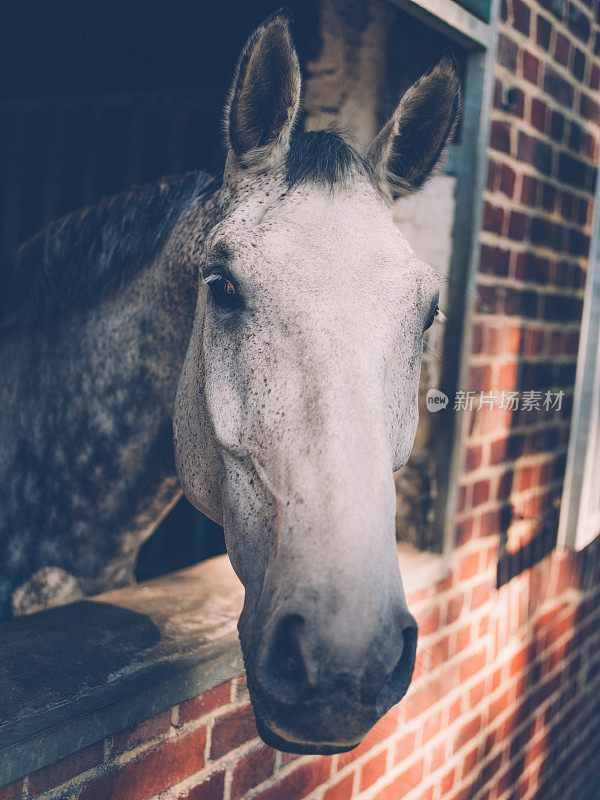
(323,157)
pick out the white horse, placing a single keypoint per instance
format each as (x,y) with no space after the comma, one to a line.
(278,319)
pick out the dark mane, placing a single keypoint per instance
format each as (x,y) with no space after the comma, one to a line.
(322,157)
(90,253)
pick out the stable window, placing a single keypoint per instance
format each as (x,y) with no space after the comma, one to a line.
(469,28)
(580,513)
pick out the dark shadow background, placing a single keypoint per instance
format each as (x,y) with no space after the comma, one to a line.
(96,97)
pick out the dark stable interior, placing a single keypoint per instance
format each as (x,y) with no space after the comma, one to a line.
(97,97)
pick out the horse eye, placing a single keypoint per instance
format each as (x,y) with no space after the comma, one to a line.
(222,290)
(430,319)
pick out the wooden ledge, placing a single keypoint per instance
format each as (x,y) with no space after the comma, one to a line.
(72,675)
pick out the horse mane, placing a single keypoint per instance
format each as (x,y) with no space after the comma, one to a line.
(90,253)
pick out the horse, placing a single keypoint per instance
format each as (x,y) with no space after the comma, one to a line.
(255,341)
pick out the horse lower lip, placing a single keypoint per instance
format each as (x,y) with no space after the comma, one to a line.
(303,739)
(302,748)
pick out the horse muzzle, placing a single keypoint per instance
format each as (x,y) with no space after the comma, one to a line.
(309,698)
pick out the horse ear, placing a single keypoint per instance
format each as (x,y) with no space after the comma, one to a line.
(265,96)
(412,142)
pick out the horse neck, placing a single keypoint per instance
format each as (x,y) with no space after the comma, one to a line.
(137,334)
(155,310)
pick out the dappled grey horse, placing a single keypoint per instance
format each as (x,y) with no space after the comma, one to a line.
(274,320)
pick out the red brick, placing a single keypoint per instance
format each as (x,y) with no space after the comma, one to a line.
(472,665)
(447,782)
(557,126)
(543,33)
(432,727)
(467,732)
(507,53)
(454,608)
(210,789)
(384,728)
(438,756)
(480,595)
(538,114)
(148,729)
(491,768)
(507,376)
(481,493)
(287,758)
(473,458)
(589,108)
(463,638)
(439,652)
(454,711)
(469,762)
(529,187)
(507,180)
(464,531)
(517,225)
(299,783)
(530,67)
(252,770)
(493,217)
(428,620)
(469,566)
(499,705)
(12,791)
(562,48)
(152,772)
(477,694)
(405,747)
(463,794)
(494,261)
(510,723)
(59,772)
(341,790)
(402,784)
(232,730)
(198,706)
(492,172)
(480,379)
(521,17)
(500,136)
(372,770)
(489,524)
(519,661)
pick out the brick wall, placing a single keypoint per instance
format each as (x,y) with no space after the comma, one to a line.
(505,702)
(537,217)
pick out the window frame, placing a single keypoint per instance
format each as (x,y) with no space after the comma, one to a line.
(577,527)
(469,162)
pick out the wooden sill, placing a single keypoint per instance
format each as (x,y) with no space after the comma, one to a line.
(73,675)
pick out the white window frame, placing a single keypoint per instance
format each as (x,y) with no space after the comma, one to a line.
(469,160)
(580,509)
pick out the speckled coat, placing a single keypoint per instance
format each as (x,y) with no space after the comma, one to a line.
(86,444)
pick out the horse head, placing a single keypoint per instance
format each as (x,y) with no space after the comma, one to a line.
(298,396)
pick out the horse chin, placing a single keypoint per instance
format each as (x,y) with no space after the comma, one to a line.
(279,728)
(276,741)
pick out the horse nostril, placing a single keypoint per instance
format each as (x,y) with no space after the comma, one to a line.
(398,681)
(283,670)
